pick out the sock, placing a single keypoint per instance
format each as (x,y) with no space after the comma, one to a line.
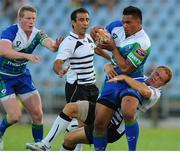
(99,141)
(132,133)
(37,132)
(59,125)
(72,126)
(4,125)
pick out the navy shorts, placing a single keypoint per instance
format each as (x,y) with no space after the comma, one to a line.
(20,84)
(112,93)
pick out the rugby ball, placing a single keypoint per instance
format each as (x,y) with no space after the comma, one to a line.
(102,36)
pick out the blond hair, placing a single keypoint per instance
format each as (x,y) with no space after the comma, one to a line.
(26,8)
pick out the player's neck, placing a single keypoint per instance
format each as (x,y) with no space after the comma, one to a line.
(28,34)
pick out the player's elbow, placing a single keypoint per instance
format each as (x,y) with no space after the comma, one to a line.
(146,93)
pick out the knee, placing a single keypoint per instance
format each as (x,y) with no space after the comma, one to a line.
(37,116)
(128,115)
(129,107)
(71,109)
(69,141)
(14,116)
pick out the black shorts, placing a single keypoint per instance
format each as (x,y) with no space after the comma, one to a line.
(112,134)
(91,114)
(75,92)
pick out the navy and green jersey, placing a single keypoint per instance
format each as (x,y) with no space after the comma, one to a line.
(15,35)
(136,47)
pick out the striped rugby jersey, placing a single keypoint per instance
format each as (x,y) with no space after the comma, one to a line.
(79,54)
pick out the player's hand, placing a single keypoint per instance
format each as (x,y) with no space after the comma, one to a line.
(94,32)
(62,72)
(32,57)
(108,44)
(109,70)
(58,42)
(117,78)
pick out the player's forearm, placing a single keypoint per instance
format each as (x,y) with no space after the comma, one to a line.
(102,53)
(121,62)
(7,51)
(140,87)
(12,54)
(50,44)
(57,67)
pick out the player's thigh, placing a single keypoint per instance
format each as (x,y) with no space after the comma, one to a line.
(12,106)
(75,137)
(103,115)
(32,102)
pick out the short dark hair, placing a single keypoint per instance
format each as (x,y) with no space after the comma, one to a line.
(79,10)
(131,10)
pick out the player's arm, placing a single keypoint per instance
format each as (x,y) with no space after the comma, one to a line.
(63,54)
(58,67)
(51,44)
(125,65)
(102,53)
(143,89)
(7,51)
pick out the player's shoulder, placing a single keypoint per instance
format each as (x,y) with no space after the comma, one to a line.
(143,39)
(69,42)
(113,25)
(11,29)
(10,32)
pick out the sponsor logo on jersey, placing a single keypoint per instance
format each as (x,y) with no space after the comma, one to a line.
(16,64)
(135,58)
(3,91)
(114,36)
(140,53)
(18,43)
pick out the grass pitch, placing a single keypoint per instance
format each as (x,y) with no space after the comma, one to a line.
(151,139)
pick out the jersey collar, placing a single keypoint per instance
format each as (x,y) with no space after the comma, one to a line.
(74,35)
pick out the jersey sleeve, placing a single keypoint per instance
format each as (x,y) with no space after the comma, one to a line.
(64,51)
(155,94)
(148,103)
(9,33)
(137,55)
(113,25)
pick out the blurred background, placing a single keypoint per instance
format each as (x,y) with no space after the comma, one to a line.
(161,21)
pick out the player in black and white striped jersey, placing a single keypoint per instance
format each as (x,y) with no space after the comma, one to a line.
(77,51)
